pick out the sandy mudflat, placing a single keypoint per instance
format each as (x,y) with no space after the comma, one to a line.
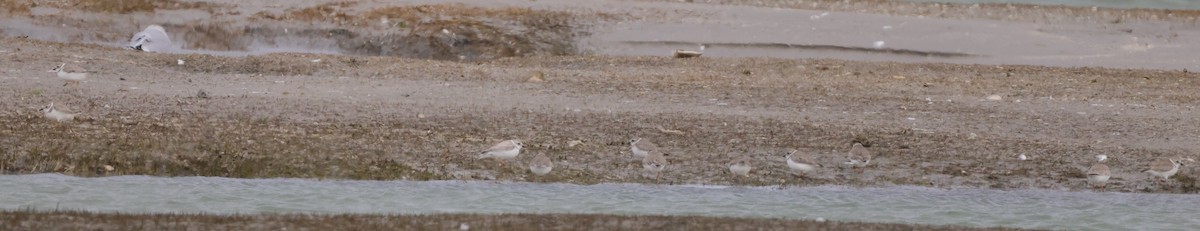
(433,84)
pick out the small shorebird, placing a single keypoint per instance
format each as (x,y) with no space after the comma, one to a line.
(72,74)
(541,165)
(641,146)
(740,166)
(1166,168)
(655,162)
(506,150)
(859,157)
(57,114)
(1098,175)
(801,164)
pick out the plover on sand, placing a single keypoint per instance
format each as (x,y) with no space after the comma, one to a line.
(801,164)
(57,113)
(1166,168)
(1098,174)
(740,166)
(541,165)
(641,146)
(655,161)
(859,157)
(72,74)
(504,151)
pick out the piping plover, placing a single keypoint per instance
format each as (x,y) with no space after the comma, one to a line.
(72,74)
(859,157)
(152,39)
(740,166)
(801,164)
(1098,174)
(541,165)
(57,114)
(506,150)
(655,162)
(641,146)
(1166,168)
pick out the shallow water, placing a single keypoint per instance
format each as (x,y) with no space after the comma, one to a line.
(1129,4)
(902,204)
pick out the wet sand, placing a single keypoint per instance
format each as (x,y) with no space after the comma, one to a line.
(425,115)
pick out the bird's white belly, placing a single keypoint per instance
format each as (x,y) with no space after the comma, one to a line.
(510,154)
(653,167)
(72,76)
(800,166)
(1097,178)
(59,116)
(1164,175)
(638,153)
(540,170)
(739,169)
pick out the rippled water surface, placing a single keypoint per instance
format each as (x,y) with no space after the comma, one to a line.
(970,207)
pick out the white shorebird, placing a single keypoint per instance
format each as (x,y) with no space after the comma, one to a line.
(541,165)
(641,146)
(57,114)
(1166,168)
(152,39)
(801,164)
(1098,174)
(740,166)
(655,162)
(504,151)
(72,74)
(859,157)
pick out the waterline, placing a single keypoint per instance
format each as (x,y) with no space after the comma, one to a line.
(902,204)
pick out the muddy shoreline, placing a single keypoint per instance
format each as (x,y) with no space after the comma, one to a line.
(423,117)
(337,121)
